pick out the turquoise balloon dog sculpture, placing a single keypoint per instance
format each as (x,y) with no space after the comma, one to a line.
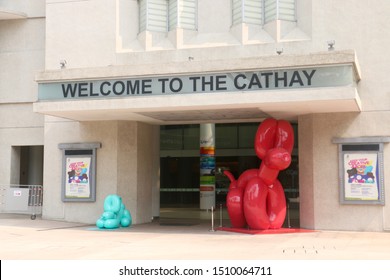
(115,213)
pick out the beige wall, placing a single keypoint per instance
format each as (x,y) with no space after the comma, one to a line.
(22,51)
(126,165)
(138,165)
(19,127)
(319,173)
(80,32)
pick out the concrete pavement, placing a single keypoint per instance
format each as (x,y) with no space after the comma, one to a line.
(25,239)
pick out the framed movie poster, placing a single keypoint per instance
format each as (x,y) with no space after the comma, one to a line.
(79,171)
(78,176)
(361,173)
(361,176)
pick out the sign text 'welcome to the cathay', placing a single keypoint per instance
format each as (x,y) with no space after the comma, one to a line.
(208,83)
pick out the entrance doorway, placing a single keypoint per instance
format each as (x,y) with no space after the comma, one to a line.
(27,165)
(180,172)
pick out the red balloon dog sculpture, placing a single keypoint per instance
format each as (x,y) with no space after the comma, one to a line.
(257,198)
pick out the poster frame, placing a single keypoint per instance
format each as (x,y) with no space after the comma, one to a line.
(369,148)
(81,151)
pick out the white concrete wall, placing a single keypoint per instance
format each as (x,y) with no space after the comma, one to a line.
(62,131)
(125,166)
(318,157)
(137,169)
(319,171)
(80,32)
(361,26)
(22,49)
(148,166)
(74,34)
(19,127)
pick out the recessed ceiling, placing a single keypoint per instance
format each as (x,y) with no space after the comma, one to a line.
(216,108)
(207,115)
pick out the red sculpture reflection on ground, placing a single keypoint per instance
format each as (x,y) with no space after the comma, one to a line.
(257,198)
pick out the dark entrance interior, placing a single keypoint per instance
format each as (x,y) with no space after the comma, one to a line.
(179,177)
(27,165)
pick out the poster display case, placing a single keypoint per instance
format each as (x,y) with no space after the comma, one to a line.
(79,171)
(361,170)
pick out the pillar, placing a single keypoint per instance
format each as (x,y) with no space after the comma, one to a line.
(207,166)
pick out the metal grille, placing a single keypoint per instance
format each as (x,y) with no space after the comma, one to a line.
(23,199)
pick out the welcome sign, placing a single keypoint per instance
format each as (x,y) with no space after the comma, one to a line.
(199,83)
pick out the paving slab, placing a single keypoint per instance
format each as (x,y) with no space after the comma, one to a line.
(25,239)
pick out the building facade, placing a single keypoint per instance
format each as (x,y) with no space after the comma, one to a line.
(97,83)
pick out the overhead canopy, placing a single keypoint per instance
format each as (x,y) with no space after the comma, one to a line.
(248,89)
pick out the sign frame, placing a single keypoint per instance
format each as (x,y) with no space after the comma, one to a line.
(361,172)
(199,83)
(78,172)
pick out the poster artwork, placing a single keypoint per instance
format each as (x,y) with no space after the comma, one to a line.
(78,177)
(361,178)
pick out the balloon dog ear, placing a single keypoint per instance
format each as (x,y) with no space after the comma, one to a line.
(284,136)
(265,137)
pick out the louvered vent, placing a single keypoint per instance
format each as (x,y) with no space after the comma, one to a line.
(153,15)
(247,11)
(279,9)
